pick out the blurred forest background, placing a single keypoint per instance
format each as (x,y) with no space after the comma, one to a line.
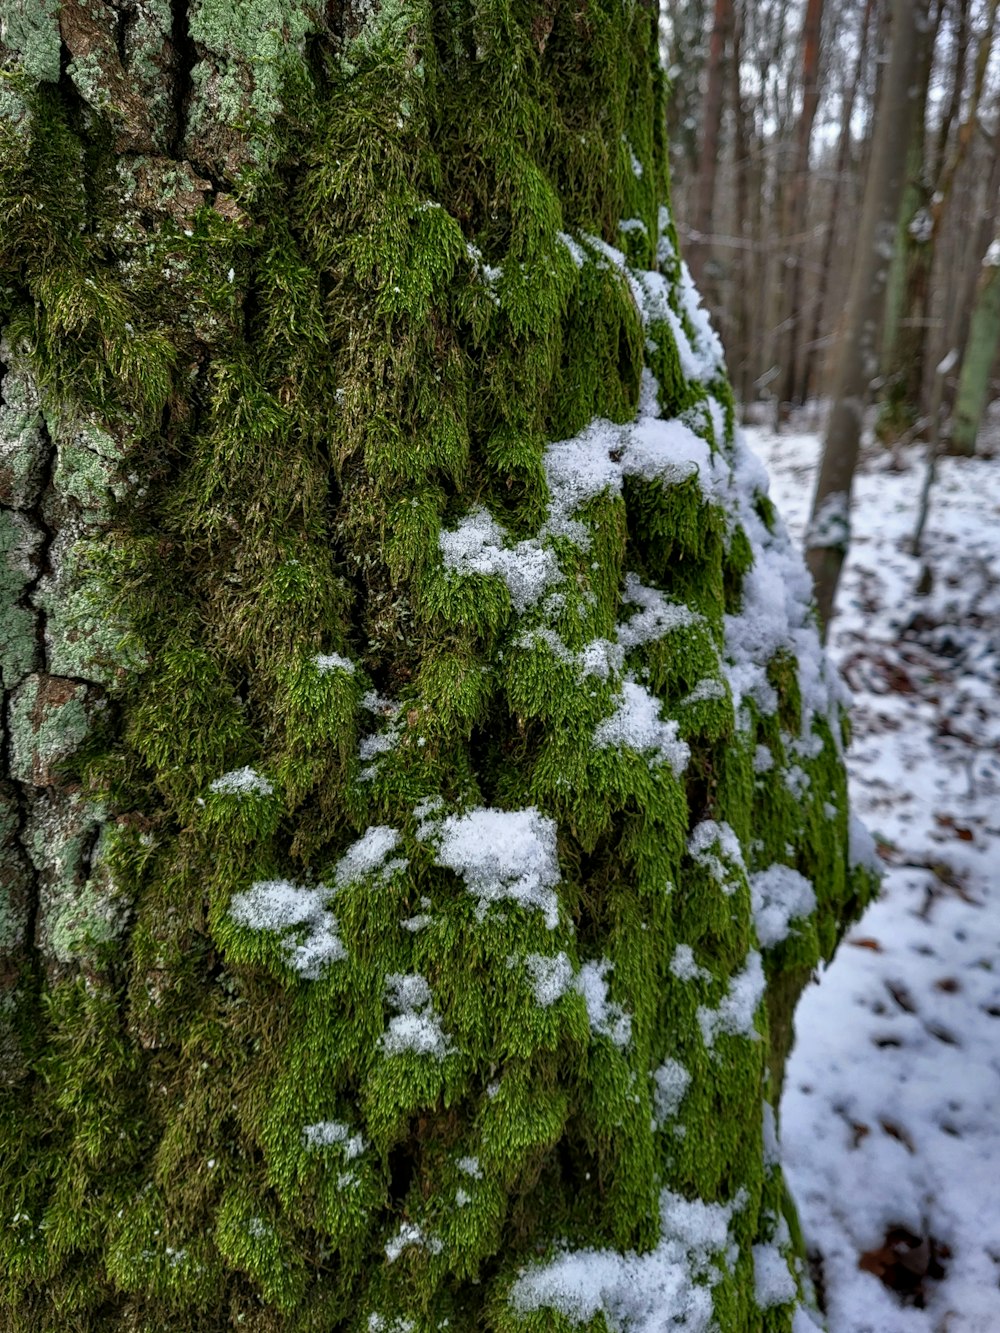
(836,189)
(772,121)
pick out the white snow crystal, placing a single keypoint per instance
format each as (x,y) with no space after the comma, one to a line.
(657,615)
(637,725)
(763,759)
(773,1283)
(861,846)
(671,1082)
(780,895)
(579,469)
(469,1166)
(668,452)
(280,906)
(606,1018)
(551,975)
(369,854)
(735,1014)
(242,782)
(704,839)
(409,1234)
(777,611)
(670,1287)
(709,687)
(327,1133)
(684,967)
(326,662)
(576,251)
(503,854)
(772,1150)
(479,546)
(415,1027)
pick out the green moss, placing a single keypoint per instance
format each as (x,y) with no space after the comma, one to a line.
(263,423)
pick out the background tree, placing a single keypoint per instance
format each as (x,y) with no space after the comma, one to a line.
(423,797)
(857,359)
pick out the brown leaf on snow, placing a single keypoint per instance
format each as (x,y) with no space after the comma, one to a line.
(898,1133)
(903,1263)
(960,831)
(902,996)
(864,942)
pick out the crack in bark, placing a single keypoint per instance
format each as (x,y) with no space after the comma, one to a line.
(185,59)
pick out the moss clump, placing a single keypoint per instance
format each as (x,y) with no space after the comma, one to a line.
(394,839)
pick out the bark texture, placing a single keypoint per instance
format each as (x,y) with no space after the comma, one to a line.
(973,390)
(857,359)
(412,705)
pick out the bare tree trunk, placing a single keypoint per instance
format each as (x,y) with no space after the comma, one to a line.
(829,530)
(979,358)
(708,160)
(796,199)
(957,325)
(908,289)
(739,352)
(840,173)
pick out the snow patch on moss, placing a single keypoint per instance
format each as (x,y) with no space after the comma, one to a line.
(502,855)
(671,1286)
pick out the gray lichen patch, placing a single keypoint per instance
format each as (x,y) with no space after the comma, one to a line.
(23,448)
(162,185)
(249,50)
(86,467)
(83,636)
(20,544)
(48,717)
(30,30)
(76,917)
(78,904)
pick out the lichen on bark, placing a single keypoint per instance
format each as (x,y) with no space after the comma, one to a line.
(414,677)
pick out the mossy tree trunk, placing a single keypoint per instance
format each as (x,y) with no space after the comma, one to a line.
(417,750)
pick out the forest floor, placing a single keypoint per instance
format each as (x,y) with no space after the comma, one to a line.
(890,1123)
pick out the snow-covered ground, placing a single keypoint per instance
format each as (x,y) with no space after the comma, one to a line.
(891,1112)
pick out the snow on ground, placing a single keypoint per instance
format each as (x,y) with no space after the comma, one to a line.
(891,1111)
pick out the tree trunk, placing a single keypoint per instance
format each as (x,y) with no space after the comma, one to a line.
(708,158)
(904,332)
(857,361)
(979,358)
(796,201)
(403,814)
(849,95)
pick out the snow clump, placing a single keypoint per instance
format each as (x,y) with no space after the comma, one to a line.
(415,1026)
(281,907)
(738,1008)
(779,896)
(502,855)
(242,782)
(636,725)
(670,1287)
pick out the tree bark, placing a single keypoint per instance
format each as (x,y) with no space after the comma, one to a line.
(849,96)
(408,790)
(797,199)
(904,334)
(857,361)
(708,158)
(979,358)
